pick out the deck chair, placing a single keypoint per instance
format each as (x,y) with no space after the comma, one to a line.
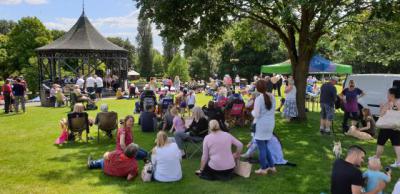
(193,146)
(236,114)
(78,122)
(107,122)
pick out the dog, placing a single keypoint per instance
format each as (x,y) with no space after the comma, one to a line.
(353,131)
(337,149)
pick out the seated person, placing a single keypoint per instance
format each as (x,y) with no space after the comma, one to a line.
(78,108)
(119,94)
(148,119)
(213,112)
(167,119)
(79,96)
(118,163)
(60,98)
(197,130)
(218,162)
(374,175)
(166,159)
(103,108)
(133,91)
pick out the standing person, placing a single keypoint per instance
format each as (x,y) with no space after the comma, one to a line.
(268,84)
(237,80)
(228,82)
(191,100)
(290,107)
(118,163)
(166,158)
(393,103)
(274,81)
(7,93)
(80,82)
(19,95)
(99,86)
(346,176)
(350,97)
(90,81)
(264,120)
(177,84)
(125,137)
(217,161)
(327,103)
(279,84)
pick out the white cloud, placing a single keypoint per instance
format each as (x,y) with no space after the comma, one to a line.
(36,2)
(16,2)
(10,2)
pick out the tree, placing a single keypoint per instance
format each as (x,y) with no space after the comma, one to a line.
(26,36)
(170,48)
(6,26)
(144,40)
(57,34)
(158,63)
(200,64)
(179,67)
(4,57)
(126,44)
(299,24)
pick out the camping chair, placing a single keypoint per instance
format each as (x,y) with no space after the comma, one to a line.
(107,122)
(78,122)
(193,146)
(236,114)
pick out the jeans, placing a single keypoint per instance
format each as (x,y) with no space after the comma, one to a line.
(266,160)
(7,102)
(97,164)
(19,99)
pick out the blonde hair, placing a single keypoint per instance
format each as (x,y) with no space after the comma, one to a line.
(374,163)
(174,111)
(214,126)
(78,107)
(197,113)
(162,139)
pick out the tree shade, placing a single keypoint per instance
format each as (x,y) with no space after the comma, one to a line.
(318,65)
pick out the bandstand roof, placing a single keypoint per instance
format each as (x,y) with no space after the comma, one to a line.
(83,36)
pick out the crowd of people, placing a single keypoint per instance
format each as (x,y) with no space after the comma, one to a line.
(14,92)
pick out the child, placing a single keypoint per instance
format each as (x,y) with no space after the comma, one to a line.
(178,124)
(191,100)
(374,175)
(119,95)
(64,132)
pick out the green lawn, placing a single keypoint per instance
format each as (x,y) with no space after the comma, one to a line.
(30,163)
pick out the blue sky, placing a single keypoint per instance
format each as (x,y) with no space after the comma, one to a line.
(110,17)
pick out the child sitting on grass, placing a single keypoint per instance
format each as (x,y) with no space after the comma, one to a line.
(374,175)
(178,124)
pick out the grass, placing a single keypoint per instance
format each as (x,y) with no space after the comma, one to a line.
(30,163)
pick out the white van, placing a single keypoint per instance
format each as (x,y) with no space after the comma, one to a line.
(375,87)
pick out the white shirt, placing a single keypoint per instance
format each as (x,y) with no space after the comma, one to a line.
(167,163)
(263,118)
(80,82)
(90,82)
(191,99)
(99,82)
(396,189)
(237,79)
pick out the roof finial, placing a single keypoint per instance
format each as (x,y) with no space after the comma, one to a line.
(83,6)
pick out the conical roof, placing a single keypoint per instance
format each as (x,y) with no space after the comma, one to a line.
(82,36)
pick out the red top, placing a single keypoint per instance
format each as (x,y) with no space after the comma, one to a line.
(119,165)
(7,88)
(128,137)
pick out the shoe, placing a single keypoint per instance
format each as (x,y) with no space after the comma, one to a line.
(261,171)
(89,160)
(395,164)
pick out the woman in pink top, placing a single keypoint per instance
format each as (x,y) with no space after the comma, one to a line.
(125,137)
(178,124)
(218,162)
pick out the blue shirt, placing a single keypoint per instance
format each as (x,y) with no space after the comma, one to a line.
(328,94)
(373,179)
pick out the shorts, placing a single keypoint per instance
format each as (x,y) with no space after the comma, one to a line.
(99,90)
(385,134)
(327,112)
(190,106)
(90,89)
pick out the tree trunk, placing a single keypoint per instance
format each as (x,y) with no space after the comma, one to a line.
(300,78)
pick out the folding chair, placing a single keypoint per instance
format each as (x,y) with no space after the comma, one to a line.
(78,122)
(193,145)
(107,122)
(236,114)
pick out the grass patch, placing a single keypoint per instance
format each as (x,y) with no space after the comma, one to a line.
(30,163)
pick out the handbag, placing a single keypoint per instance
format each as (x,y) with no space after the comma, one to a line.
(390,120)
(243,169)
(147,172)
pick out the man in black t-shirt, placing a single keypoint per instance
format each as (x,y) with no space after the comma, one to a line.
(346,176)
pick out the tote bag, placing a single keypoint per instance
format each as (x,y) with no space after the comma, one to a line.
(147,172)
(243,169)
(391,120)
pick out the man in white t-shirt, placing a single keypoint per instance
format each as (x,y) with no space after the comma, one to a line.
(90,81)
(99,86)
(80,82)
